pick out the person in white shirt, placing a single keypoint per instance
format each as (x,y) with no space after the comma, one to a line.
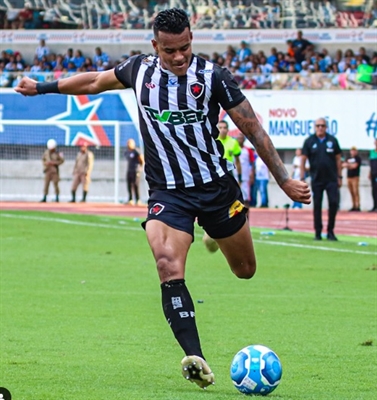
(296,165)
(247,167)
(262,177)
(42,50)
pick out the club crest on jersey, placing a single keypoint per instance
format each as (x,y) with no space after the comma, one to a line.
(235,208)
(150,85)
(196,89)
(156,209)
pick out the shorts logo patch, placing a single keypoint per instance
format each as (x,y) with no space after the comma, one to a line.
(156,209)
(235,208)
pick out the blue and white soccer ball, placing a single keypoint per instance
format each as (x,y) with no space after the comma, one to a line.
(256,370)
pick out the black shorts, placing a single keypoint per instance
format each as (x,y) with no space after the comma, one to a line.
(218,207)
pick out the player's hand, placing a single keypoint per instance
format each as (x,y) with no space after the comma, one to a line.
(27,87)
(297,190)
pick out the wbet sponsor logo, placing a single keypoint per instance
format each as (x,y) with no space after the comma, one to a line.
(181,117)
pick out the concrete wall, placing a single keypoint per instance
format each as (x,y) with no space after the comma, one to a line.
(23,180)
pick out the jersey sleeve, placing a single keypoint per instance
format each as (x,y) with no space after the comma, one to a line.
(236,148)
(226,90)
(337,149)
(125,70)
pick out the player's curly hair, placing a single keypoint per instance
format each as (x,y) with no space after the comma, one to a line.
(173,20)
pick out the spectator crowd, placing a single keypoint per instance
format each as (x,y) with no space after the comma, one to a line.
(299,66)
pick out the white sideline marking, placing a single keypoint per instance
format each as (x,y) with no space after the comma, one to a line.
(131,228)
(308,246)
(69,222)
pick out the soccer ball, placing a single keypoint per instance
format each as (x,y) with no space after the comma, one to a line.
(256,370)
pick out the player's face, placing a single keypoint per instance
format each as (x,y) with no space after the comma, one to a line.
(174,50)
(131,144)
(223,130)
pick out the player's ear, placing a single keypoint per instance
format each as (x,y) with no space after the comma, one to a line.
(155,45)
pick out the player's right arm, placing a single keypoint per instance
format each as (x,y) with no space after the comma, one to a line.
(85,83)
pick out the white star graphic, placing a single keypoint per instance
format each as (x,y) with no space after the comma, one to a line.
(78,112)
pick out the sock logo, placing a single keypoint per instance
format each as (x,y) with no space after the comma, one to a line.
(5,394)
(176,302)
(185,314)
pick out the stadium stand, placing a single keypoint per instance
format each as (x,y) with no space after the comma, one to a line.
(204,14)
(348,68)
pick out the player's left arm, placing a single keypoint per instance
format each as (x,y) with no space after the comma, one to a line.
(247,122)
(85,83)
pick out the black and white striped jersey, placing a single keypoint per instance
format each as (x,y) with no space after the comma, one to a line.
(178,118)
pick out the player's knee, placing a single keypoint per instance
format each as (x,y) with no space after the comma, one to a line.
(167,268)
(247,270)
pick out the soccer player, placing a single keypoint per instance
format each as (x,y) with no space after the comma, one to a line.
(179,96)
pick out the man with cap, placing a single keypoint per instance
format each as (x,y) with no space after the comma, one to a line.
(51,160)
(352,164)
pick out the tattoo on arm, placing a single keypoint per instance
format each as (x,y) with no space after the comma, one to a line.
(247,122)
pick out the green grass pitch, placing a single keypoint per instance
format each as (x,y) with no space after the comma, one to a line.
(81,319)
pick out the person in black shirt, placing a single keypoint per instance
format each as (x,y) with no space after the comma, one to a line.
(353,164)
(301,47)
(134,163)
(324,155)
(179,96)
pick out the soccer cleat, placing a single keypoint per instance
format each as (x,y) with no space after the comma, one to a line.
(210,244)
(195,369)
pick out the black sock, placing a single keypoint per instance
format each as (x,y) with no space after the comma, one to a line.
(180,313)
(84,195)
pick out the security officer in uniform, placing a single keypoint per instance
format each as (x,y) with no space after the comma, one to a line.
(324,155)
(51,160)
(82,171)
